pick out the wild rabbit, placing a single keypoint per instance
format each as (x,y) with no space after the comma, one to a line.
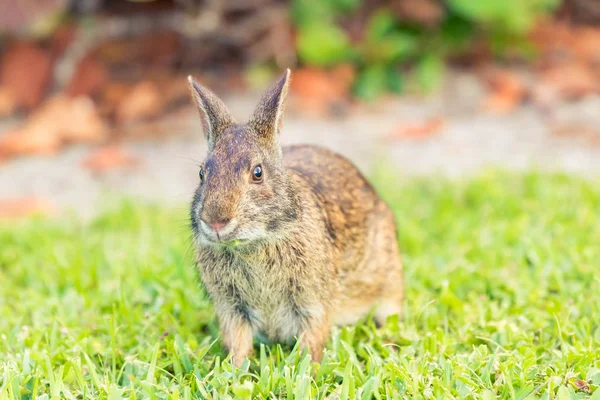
(288,241)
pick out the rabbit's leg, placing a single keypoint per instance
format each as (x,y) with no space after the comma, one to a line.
(237,337)
(386,308)
(314,336)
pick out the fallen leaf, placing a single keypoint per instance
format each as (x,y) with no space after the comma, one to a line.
(560,41)
(344,75)
(24,207)
(544,95)
(424,12)
(506,91)
(417,130)
(61,119)
(586,44)
(175,91)
(318,90)
(552,37)
(90,76)
(569,60)
(8,105)
(109,157)
(25,72)
(110,97)
(29,141)
(581,386)
(573,80)
(173,123)
(577,131)
(144,101)
(70,119)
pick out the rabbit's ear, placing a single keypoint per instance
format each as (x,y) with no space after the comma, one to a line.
(268,116)
(215,115)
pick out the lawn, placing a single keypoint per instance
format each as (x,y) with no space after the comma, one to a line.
(503,300)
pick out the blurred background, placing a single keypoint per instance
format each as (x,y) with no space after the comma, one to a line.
(94,102)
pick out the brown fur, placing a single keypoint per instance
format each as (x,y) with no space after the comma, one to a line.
(315,246)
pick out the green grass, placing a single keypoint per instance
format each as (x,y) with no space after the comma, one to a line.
(503,300)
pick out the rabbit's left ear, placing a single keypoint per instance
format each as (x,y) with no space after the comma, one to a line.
(267,119)
(214,114)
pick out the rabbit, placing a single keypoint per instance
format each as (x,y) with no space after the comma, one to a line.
(288,241)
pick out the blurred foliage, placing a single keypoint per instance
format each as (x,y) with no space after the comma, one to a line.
(390,46)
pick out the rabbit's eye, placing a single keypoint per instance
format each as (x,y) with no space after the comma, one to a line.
(201,174)
(257,174)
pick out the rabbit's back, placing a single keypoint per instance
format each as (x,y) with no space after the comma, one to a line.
(361,227)
(346,197)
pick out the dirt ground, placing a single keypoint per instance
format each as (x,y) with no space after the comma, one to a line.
(564,138)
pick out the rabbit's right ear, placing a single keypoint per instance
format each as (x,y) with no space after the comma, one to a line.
(215,115)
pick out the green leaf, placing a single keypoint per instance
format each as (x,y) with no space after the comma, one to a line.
(513,16)
(323,44)
(430,73)
(380,24)
(243,390)
(369,387)
(483,11)
(302,388)
(347,383)
(395,84)
(371,82)
(384,43)
(563,393)
(307,12)
(457,34)
(345,5)
(597,335)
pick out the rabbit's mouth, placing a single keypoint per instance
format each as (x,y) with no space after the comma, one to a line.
(220,235)
(227,243)
(232,243)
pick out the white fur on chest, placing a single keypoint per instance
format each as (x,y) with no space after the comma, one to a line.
(263,287)
(271,306)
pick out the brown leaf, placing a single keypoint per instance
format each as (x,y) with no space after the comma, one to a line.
(343,75)
(507,91)
(89,77)
(70,119)
(577,131)
(417,130)
(573,80)
(318,89)
(26,71)
(109,157)
(8,104)
(586,44)
(144,101)
(552,37)
(581,385)
(544,95)
(61,119)
(110,97)
(27,141)
(24,207)
(560,41)
(424,12)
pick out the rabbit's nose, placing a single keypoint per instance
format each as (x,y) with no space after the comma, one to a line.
(218,225)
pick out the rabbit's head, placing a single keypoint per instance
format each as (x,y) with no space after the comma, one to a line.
(243,194)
